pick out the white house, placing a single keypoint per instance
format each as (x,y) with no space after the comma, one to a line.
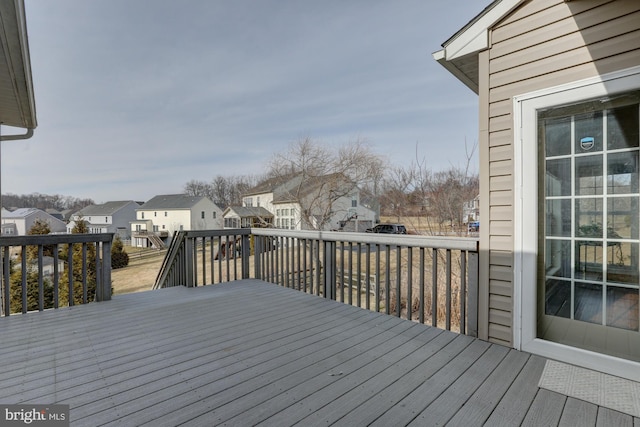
(21,220)
(160,217)
(110,217)
(247,217)
(330,202)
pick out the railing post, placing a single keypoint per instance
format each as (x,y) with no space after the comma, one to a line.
(257,256)
(103,290)
(329,260)
(472,295)
(246,253)
(188,261)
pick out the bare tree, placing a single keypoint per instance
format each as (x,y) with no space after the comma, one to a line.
(319,178)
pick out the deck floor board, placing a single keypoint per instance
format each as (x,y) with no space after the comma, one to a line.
(252,353)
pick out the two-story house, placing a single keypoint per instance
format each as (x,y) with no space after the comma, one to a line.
(20,221)
(160,217)
(329,202)
(110,217)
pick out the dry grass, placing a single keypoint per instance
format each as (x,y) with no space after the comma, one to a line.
(140,274)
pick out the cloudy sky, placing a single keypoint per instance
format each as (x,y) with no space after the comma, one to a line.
(135,98)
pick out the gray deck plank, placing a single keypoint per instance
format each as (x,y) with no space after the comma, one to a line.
(428,391)
(481,404)
(249,352)
(125,372)
(578,413)
(546,409)
(435,358)
(220,387)
(364,381)
(513,407)
(337,370)
(609,417)
(449,402)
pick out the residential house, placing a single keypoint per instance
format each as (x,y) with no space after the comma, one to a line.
(111,217)
(160,217)
(558,83)
(20,221)
(247,217)
(329,202)
(471,210)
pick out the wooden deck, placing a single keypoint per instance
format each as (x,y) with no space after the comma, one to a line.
(251,353)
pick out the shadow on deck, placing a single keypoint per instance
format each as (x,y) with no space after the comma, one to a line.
(249,352)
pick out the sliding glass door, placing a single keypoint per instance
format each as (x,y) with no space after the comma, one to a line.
(589,225)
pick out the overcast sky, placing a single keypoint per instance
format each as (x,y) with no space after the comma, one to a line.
(135,98)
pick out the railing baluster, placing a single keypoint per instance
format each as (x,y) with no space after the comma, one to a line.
(6,267)
(368,277)
(378,288)
(463,292)
(448,292)
(23,271)
(398,281)
(434,288)
(409,282)
(342,272)
(422,284)
(40,279)
(387,279)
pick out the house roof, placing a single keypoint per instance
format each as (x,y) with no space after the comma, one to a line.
(17,103)
(21,213)
(298,190)
(249,211)
(459,54)
(273,185)
(104,209)
(172,201)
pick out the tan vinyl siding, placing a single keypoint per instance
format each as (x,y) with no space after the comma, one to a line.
(543,43)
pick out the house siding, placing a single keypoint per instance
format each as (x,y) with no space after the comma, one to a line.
(541,44)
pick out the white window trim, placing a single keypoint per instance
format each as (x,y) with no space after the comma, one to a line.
(525,212)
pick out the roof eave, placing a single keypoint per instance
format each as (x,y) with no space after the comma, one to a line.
(18,63)
(468,42)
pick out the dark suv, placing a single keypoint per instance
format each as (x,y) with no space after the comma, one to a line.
(388,229)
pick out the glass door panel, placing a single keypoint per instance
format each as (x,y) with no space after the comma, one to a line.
(589,240)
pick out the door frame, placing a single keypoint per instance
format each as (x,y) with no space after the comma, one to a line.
(526,217)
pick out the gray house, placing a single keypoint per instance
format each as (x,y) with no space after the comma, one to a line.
(110,217)
(20,221)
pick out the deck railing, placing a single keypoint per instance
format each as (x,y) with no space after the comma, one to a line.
(77,271)
(429,280)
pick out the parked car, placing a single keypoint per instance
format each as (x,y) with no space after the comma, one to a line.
(474,226)
(388,229)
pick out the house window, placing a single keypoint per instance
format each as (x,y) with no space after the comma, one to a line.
(106,219)
(155,214)
(258,201)
(214,214)
(166,213)
(354,201)
(248,202)
(277,212)
(142,215)
(163,227)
